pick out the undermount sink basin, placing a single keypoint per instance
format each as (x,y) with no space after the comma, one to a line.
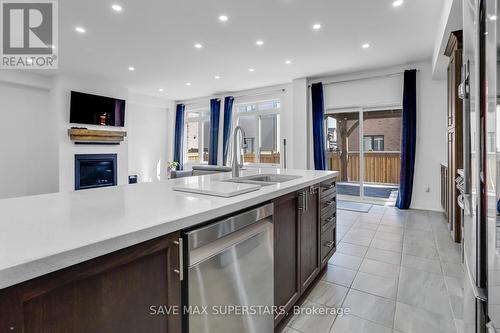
(263,179)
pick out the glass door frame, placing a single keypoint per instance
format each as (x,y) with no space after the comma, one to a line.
(361,112)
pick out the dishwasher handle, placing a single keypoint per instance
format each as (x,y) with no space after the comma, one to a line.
(210,233)
(218,246)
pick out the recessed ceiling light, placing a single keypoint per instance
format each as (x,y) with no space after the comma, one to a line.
(223,18)
(80,30)
(160,89)
(397,3)
(259,42)
(316,26)
(217,77)
(131,68)
(365,45)
(198,45)
(288,62)
(251,70)
(117,8)
(188,84)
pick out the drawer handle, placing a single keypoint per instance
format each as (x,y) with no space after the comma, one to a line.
(329,244)
(329,187)
(330,202)
(330,219)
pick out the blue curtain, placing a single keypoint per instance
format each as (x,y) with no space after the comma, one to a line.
(408,139)
(226,132)
(318,116)
(214,131)
(179,130)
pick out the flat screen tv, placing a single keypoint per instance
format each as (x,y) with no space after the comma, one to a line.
(96,110)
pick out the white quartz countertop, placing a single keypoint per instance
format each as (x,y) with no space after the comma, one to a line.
(44,233)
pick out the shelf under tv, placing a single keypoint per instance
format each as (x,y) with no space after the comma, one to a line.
(86,136)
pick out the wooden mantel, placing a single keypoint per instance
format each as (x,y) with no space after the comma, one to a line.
(83,135)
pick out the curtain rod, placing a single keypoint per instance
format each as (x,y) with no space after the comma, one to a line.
(364,78)
(202,100)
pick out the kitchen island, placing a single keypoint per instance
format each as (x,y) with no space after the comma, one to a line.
(55,240)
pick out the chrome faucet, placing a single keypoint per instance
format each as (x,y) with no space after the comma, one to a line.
(236,150)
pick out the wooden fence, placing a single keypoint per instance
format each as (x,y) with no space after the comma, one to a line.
(271,158)
(380,167)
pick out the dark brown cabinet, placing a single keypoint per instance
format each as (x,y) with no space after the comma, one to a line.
(328,206)
(112,293)
(309,252)
(286,252)
(455,131)
(304,241)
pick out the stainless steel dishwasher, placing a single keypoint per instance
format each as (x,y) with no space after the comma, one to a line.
(229,277)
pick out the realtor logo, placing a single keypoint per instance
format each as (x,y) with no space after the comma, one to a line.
(29,34)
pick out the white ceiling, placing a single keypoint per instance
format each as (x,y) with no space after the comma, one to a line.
(157,38)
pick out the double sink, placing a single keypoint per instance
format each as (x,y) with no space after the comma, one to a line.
(262,179)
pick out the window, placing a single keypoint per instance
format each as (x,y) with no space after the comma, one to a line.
(261,122)
(196,136)
(373,142)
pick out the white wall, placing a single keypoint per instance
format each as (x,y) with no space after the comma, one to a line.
(28,146)
(149,137)
(431,139)
(431,118)
(300,119)
(61,93)
(37,155)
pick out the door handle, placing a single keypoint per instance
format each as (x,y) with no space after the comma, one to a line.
(301,201)
(306,199)
(180,271)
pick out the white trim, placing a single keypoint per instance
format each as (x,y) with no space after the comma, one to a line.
(361,134)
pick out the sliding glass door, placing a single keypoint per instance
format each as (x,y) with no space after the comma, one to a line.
(342,151)
(364,146)
(381,154)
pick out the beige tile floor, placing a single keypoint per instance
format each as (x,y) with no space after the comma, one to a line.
(397,271)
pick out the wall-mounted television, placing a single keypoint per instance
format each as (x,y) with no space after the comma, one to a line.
(96,110)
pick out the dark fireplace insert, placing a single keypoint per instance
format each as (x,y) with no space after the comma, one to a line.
(95,170)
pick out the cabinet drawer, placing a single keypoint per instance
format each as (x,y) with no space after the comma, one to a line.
(327,222)
(328,244)
(328,207)
(328,187)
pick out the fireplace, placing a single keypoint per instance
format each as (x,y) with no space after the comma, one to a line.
(95,170)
